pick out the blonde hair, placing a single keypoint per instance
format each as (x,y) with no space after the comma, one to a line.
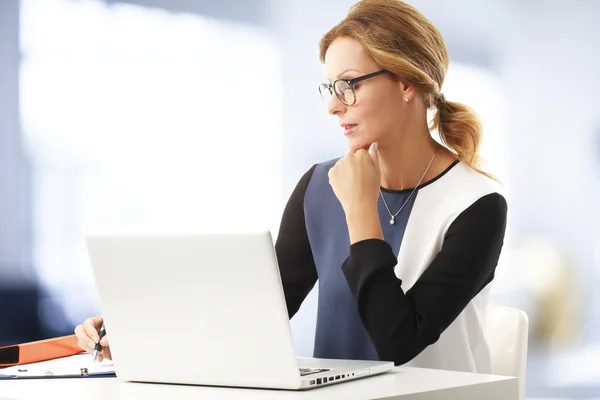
(405,43)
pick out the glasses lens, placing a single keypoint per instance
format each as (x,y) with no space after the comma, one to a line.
(344,92)
(325,93)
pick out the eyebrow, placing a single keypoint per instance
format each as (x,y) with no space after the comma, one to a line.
(346,70)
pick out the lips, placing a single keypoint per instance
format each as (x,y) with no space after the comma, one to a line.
(348,128)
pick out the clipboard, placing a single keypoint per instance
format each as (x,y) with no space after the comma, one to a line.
(41,350)
(76,366)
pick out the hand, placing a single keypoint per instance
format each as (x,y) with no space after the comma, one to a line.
(355,180)
(87,336)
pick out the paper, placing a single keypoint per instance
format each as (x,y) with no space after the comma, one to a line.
(77,365)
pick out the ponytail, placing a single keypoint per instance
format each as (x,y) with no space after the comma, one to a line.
(460,130)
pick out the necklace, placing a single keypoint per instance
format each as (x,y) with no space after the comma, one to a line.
(393,216)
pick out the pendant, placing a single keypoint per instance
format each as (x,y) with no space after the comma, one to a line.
(392,222)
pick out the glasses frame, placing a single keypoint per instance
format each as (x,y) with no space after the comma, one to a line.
(331,86)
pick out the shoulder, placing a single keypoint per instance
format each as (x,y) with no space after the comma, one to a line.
(317,169)
(464,178)
(479,207)
(478,191)
(327,165)
(487,211)
(459,187)
(460,191)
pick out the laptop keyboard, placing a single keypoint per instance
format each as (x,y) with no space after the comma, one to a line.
(310,371)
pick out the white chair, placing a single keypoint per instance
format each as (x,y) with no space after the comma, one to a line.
(506,330)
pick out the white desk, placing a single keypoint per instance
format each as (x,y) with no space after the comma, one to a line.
(400,383)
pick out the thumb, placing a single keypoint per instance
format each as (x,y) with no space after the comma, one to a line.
(374,153)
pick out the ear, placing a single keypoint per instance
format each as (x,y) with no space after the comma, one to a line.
(407,90)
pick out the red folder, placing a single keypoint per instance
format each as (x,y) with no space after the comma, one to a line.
(41,350)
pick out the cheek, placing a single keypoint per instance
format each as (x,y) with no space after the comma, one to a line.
(374,113)
(383,111)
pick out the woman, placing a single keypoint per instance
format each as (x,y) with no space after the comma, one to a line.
(402,234)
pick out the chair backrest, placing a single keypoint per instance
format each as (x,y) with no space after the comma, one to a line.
(506,330)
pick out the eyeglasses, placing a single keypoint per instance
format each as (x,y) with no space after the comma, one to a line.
(344,88)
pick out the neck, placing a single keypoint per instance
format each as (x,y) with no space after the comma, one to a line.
(404,161)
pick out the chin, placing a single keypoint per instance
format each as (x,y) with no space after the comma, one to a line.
(356,144)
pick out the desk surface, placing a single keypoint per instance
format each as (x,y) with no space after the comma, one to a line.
(400,383)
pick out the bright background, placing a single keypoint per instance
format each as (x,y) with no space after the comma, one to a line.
(175,115)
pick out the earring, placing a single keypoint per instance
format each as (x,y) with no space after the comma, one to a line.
(407,99)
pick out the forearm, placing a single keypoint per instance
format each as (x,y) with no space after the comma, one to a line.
(363,223)
(398,331)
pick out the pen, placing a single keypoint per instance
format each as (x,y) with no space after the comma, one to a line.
(98,347)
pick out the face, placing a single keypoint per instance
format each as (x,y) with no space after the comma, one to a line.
(379,109)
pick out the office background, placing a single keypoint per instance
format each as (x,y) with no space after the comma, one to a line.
(181,114)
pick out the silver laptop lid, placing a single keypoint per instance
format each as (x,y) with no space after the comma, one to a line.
(195,308)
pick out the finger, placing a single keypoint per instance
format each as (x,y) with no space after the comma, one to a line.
(374,153)
(79,331)
(86,344)
(106,353)
(91,327)
(331,175)
(338,164)
(363,155)
(83,340)
(104,341)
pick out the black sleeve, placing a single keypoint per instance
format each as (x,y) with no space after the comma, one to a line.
(294,255)
(401,325)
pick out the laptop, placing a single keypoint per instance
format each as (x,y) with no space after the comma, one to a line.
(204,309)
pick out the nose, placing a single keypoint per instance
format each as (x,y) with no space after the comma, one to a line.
(335,106)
